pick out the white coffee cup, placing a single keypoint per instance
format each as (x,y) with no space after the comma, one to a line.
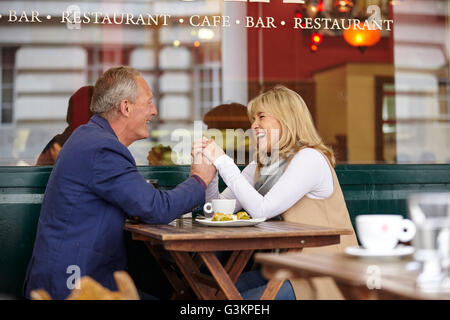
(226,206)
(383,232)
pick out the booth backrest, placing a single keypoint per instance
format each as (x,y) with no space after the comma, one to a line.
(384,188)
(368,189)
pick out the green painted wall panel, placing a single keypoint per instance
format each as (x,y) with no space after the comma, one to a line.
(368,189)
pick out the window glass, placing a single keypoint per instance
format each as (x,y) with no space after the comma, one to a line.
(376,96)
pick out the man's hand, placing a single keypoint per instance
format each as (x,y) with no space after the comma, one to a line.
(197,151)
(201,166)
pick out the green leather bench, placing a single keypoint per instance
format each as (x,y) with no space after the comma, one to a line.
(368,189)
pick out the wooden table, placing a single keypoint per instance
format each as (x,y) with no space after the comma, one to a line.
(374,278)
(191,244)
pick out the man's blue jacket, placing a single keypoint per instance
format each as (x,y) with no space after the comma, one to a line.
(93,186)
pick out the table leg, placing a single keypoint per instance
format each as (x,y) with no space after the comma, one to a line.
(272,288)
(180,286)
(274,285)
(197,260)
(189,269)
(232,260)
(235,265)
(220,275)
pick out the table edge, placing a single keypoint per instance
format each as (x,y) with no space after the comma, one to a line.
(194,236)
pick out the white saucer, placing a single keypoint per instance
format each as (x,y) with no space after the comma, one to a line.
(399,251)
(231,223)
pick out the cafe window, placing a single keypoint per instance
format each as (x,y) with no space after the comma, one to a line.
(375,97)
(208,88)
(100,59)
(7,56)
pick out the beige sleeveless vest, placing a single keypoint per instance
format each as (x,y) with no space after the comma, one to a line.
(328,212)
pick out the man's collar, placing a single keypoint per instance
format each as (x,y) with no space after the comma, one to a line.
(103,123)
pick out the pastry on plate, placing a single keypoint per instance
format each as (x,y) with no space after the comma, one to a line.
(218,216)
(242,215)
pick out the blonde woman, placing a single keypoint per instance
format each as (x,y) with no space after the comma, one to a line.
(292,179)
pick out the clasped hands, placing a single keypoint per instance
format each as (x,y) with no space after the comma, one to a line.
(204,152)
(207,150)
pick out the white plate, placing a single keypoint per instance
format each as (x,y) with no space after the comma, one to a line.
(396,252)
(231,223)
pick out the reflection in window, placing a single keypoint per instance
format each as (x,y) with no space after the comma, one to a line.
(100,59)
(387,103)
(7,56)
(421,52)
(208,90)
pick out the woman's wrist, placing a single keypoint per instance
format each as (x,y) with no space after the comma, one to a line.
(219,160)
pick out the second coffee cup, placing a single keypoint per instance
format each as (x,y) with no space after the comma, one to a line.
(383,232)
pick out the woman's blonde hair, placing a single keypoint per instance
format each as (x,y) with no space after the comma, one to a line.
(297,127)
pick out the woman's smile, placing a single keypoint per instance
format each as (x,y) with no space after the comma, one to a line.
(260,133)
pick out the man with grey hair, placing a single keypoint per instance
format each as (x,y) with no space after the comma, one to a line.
(95,184)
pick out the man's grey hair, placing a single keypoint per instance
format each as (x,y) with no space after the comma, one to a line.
(113,86)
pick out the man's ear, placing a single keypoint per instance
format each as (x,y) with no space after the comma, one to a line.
(124,108)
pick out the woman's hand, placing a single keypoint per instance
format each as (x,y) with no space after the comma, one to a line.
(201,166)
(212,151)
